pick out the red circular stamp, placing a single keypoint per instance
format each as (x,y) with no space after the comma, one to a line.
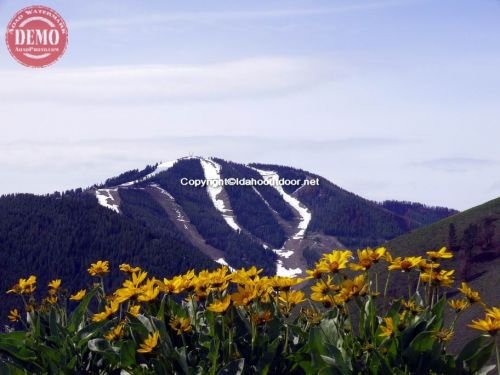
(37,36)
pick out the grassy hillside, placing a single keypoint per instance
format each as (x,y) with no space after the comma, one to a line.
(476,245)
(436,234)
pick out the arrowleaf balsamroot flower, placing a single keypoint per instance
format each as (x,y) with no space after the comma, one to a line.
(443,335)
(442,278)
(488,324)
(134,310)
(14,315)
(387,330)
(334,261)
(108,311)
(377,254)
(220,306)
(127,268)
(78,296)
(283,283)
(292,297)
(180,324)
(355,287)
(493,312)
(24,286)
(458,304)
(472,295)
(365,260)
(440,254)
(404,264)
(242,276)
(323,288)
(116,332)
(99,268)
(245,294)
(55,284)
(149,343)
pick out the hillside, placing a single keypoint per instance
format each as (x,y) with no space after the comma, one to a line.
(474,237)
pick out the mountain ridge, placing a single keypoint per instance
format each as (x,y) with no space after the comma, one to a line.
(145,217)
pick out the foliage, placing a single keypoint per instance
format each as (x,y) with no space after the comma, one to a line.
(242,322)
(55,237)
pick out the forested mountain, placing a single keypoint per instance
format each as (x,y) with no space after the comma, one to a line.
(147,217)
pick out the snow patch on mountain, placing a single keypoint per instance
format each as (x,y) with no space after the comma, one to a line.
(288,272)
(212,173)
(106,199)
(223,262)
(161,167)
(305,215)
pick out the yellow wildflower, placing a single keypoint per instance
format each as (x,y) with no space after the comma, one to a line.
(116,332)
(127,268)
(443,335)
(493,312)
(404,264)
(100,268)
(488,324)
(442,278)
(440,254)
(354,287)
(134,310)
(283,283)
(292,297)
(411,306)
(108,311)
(78,296)
(377,254)
(334,261)
(426,266)
(55,284)
(458,304)
(24,286)
(175,286)
(14,315)
(220,306)
(242,275)
(149,291)
(472,295)
(149,343)
(388,329)
(364,260)
(180,325)
(245,294)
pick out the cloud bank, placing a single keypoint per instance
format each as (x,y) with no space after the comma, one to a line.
(140,84)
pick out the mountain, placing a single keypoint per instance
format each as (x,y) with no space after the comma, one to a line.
(474,237)
(152,218)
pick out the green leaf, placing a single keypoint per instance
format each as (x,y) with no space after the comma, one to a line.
(127,354)
(423,342)
(77,318)
(472,347)
(480,358)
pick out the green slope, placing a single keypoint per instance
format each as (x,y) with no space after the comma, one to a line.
(482,269)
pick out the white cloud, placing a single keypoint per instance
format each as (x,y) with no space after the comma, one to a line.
(257,77)
(204,16)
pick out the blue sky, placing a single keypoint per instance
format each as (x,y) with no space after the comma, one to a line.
(388,99)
